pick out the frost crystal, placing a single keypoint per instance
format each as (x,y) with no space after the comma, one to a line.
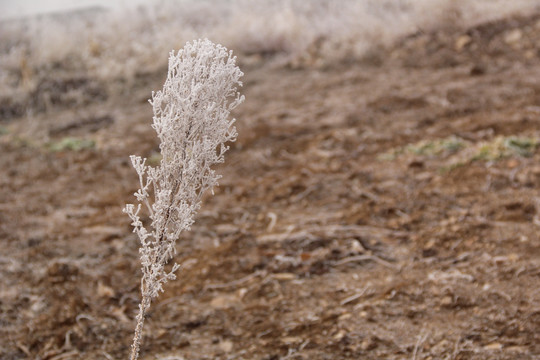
(191,119)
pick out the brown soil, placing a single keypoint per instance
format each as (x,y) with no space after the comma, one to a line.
(315,245)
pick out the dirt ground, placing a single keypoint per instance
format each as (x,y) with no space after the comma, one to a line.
(381,208)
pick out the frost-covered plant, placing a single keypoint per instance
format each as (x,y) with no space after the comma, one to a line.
(191,119)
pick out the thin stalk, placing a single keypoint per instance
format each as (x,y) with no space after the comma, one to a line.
(135,347)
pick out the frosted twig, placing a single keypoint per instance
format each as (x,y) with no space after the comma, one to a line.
(191,119)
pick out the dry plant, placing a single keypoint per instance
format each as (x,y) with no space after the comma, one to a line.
(191,119)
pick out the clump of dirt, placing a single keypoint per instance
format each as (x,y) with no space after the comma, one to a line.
(341,229)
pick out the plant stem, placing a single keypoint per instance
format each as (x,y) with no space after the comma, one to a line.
(135,347)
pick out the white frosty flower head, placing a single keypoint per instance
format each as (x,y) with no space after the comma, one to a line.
(196,99)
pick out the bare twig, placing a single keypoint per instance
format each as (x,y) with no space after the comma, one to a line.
(367,257)
(421,338)
(353,297)
(236,282)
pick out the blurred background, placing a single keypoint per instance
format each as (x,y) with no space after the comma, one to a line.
(115,40)
(22,8)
